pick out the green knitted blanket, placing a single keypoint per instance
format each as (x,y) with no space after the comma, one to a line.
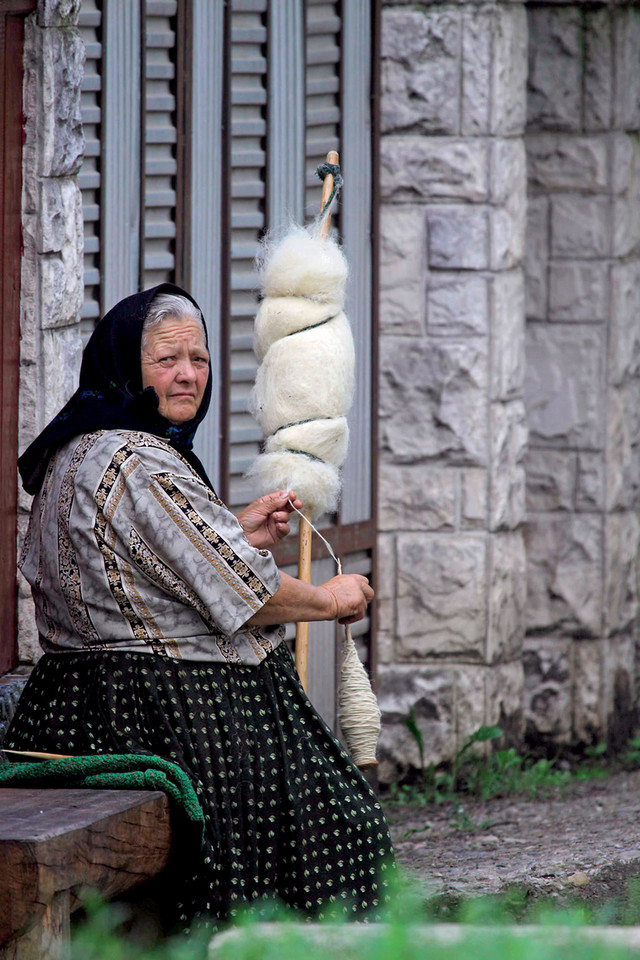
(116,772)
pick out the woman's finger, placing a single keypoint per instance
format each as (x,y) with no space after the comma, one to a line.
(295,500)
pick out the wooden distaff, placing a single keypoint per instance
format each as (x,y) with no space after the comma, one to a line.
(38,754)
(304,543)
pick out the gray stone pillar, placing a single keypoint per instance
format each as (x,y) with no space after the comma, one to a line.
(583,361)
(52,278)
(451,578)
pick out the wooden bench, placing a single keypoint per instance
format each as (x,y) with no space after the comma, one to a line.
(55,842)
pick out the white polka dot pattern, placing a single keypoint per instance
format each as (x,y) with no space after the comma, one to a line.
(288,815)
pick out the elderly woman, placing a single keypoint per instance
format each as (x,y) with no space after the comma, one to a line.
(159,613)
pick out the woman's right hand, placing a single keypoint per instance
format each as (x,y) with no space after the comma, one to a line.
(351,594)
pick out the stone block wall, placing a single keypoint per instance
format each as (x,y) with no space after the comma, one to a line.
(583,370)
(52,277)
(451,576)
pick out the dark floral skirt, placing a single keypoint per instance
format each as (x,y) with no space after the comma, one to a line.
(288,816)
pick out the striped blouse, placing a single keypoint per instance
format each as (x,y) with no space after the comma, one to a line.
(128,549)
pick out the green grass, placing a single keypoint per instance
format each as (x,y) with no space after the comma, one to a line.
(485,933)
(501,772)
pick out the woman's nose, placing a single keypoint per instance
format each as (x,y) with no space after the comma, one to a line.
(186,370)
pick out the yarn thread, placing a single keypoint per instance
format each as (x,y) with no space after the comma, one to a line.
(358,711)
(330,169)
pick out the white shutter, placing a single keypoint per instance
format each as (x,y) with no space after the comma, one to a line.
(356,235)
(285,198)
(323,44)
(248,175)
(120,213)
(160,143)
(90,29)
(205,205)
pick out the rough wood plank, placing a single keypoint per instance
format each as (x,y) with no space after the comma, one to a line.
(39,814)
(110,840)
(48,938)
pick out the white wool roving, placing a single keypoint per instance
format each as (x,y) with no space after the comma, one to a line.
(316,483)
(304,376)
(302,394)
(326,439)
(305,382)
(280,316)
(304,264)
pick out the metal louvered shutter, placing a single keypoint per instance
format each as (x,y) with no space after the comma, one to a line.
(90,29)
(160,143)
(248,174)
(323,46)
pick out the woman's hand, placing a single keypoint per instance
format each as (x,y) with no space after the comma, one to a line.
(266,521)
(351,594)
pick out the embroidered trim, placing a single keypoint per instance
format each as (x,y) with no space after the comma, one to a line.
(266,646)
(225,560)
(114,477)
(168,646)
(149,440)
(68,569)
(163,576)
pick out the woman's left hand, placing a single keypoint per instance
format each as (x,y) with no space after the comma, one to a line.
(266,521)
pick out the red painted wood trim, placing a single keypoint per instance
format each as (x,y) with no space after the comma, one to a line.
(17,7)
(11,134)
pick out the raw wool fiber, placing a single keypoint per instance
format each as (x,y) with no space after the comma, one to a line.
(305,383)
(305,376)
(316,483)
(326,439)
(304,265)
(281,316)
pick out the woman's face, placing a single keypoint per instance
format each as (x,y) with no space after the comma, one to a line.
(175,362)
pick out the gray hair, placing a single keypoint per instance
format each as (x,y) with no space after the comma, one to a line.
(169,305)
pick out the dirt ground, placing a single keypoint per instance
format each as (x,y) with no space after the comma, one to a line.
(580,843)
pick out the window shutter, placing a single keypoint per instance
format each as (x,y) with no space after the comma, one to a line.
(248,175)
(285,194)
(90,29)
(160,144)
(323,42)
(120,146)
(206,151)
(356,206)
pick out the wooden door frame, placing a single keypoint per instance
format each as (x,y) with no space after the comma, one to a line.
(12,13)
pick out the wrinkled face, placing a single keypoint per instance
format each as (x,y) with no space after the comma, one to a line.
(175,362)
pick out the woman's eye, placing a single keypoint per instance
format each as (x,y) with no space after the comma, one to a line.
(166,360)
(201,360)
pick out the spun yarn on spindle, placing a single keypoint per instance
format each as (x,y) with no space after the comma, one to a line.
(359,715)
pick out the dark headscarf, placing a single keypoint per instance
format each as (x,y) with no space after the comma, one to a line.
(110,395)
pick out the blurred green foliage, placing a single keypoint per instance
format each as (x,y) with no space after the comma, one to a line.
(482,929)
(500,772)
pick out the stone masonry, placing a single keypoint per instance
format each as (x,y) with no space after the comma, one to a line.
(52,277)
(583,371)
(451,575)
